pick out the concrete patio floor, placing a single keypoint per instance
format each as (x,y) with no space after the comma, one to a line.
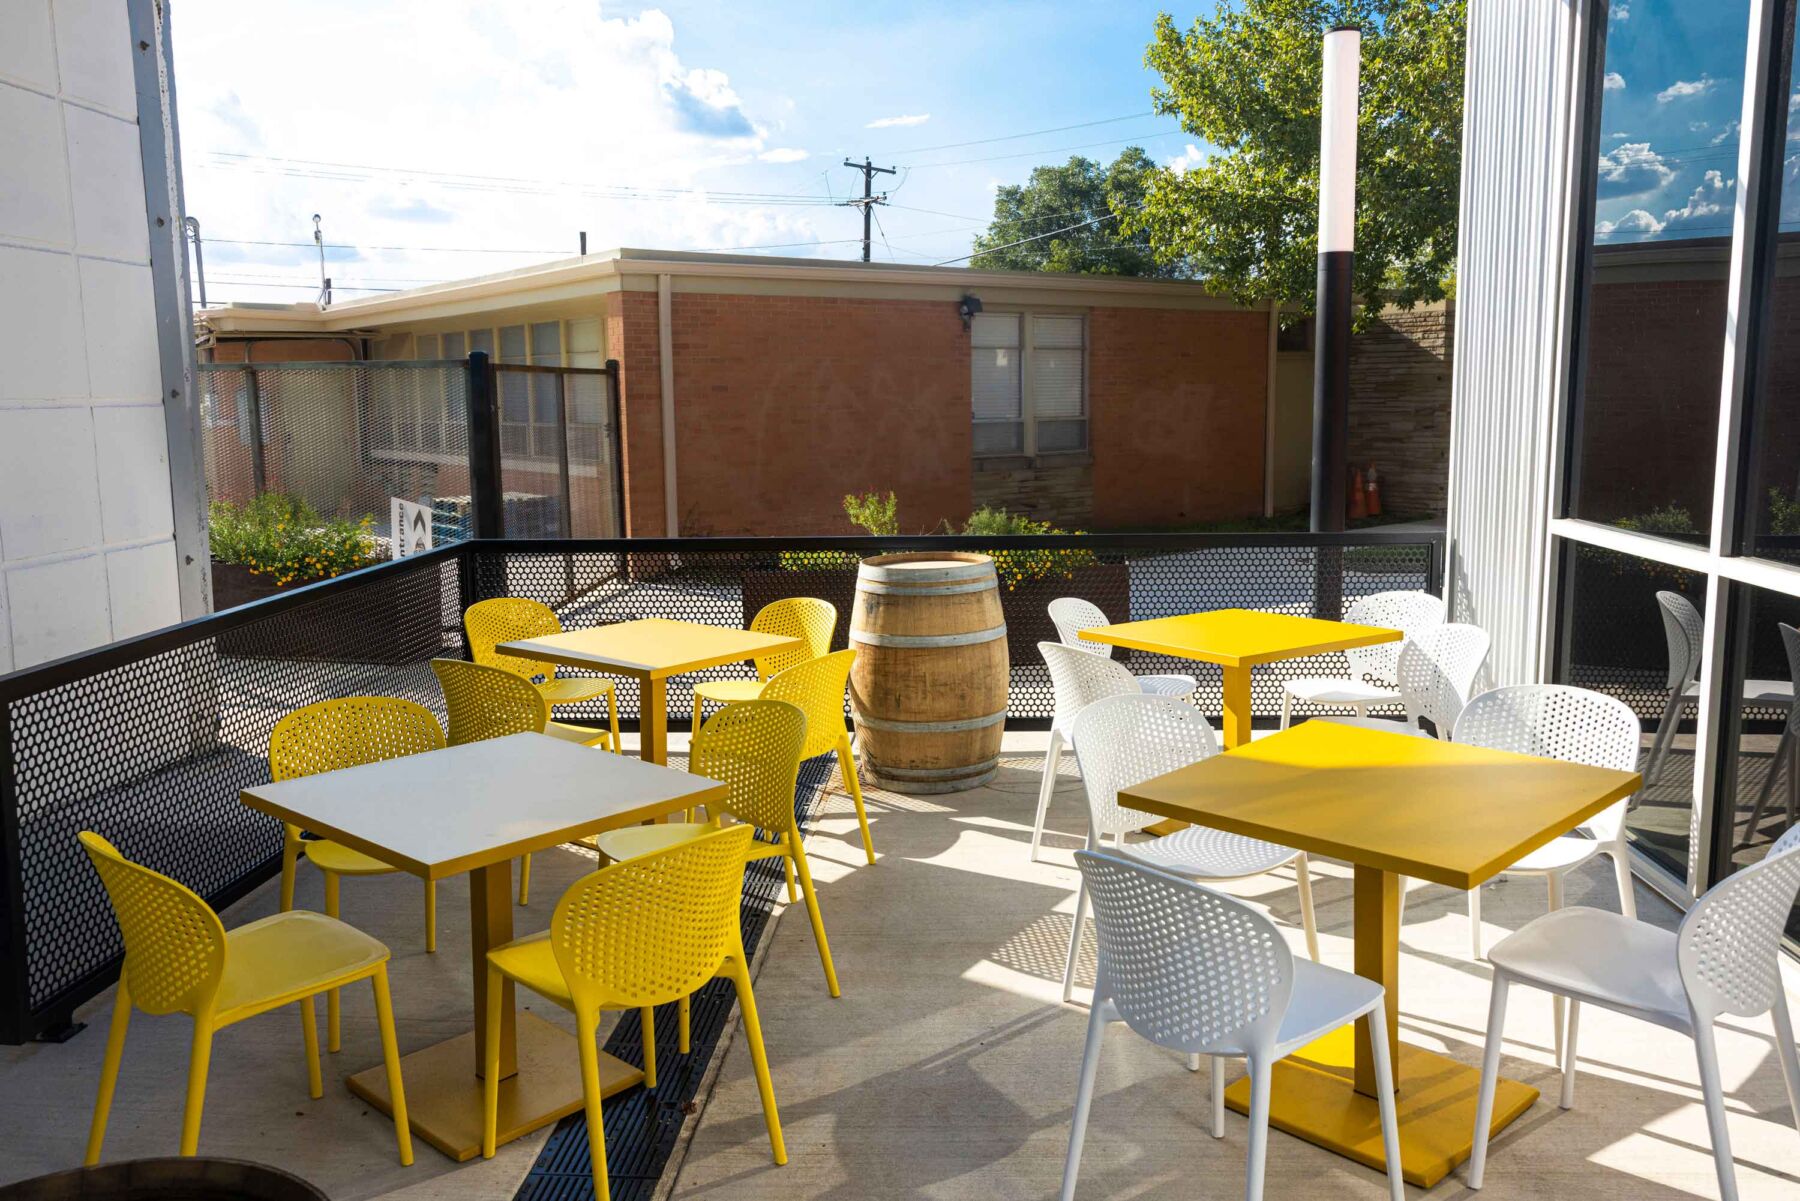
(947,1068)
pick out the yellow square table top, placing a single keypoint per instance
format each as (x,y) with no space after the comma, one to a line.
(1452,814)
(651,648)
(1240,637)
(445,812)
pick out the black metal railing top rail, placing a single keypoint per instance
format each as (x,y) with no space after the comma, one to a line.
(151,740)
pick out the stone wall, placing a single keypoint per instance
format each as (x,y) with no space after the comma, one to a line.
(1060,492)
(1400,407)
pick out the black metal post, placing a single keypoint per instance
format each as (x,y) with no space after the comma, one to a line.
(259,474)
(566,496)
(1331,393)
(15,958)
(1341,53)
(614,445)
(486,495)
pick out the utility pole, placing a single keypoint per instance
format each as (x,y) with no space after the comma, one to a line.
(324,280)
(868,200)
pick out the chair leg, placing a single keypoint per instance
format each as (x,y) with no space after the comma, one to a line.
(1400,914)
(847,768)
(1287,708)
(109,1072)
(525,879)
(1218,1096)
(1384,1097)
(1084,1097)
(647,1023)
(699,709)
(309,1035)
(1713,1093)
(1046,786)
(1776,763)
(1475,923)
(1558,1005)
(1490,1077)
(1665,733)
(1567,1100)
(1789,1057)
(1257,1155)
(759,1059)
(612,720)
(796,856)
(333,1018)
(684,1041)
(199,1059)
(1081,904)
(431,916)
(586,1032)
(290,862)
(1303,877)
(390,1058)
(1621,861)
(490,1065)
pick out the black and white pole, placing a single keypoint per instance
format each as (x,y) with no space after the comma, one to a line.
(1337,250)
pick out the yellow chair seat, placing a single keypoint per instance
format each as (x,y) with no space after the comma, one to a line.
(632,841)
(335,857)
(581,734)
(287,956)
(567,690)
(728,692)
(531,961)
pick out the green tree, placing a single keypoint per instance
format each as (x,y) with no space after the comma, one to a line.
(1246,80)
(1081,193)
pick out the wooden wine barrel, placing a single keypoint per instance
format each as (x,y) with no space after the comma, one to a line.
(929,682)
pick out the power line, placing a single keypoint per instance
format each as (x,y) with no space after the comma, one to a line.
(1038,237)
(1032,134)
(994,158)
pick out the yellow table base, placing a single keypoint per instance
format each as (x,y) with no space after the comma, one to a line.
(443,1094)
(1313,1098)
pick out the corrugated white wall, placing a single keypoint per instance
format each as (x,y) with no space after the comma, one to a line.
(1511,286)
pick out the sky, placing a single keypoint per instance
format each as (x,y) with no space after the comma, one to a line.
(452,138)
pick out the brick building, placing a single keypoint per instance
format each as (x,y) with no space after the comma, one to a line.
(1095,401)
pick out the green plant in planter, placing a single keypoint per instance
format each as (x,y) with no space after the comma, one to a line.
(284,538)
(1784,513)
(1016,567)
(1671,519)
(878,514)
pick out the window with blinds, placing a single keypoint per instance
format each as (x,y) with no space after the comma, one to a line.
(1028,374)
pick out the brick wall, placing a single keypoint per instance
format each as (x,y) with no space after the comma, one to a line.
(1058,491)
(1400,407)
(630,319)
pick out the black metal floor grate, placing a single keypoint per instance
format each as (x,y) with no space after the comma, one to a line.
(641,1126)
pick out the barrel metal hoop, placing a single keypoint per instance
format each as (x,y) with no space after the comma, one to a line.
(928,575)
(881,589)
(928,641)
(930,727)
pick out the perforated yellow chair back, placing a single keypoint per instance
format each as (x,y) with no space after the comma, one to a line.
(653,929)
(174,942)
(488,623)
(488,702)
(348,732)
(754,748)
(804,617)
(817,687)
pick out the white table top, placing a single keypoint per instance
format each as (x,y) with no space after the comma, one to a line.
(446,812)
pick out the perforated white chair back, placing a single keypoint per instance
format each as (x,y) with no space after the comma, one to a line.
(1790,639)
(1129,738)
(1071,615)
(1729,944)
(1079,678)
(1686,632)
(1408,612)
(1186,967)
(1437,672)
(1556,721)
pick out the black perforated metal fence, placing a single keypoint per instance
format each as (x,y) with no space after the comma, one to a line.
(149,741)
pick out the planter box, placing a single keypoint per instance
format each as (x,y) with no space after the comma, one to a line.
(381,621)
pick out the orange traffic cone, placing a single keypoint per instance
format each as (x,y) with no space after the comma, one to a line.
(1372,483)
(1356,496)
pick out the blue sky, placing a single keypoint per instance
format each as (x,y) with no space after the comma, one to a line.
(427,134)
(1669,119)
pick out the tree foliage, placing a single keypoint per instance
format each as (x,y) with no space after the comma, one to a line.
(1082,193)
(1247,81)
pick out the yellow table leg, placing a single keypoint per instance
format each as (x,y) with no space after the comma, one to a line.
(1237,706)
(653,721)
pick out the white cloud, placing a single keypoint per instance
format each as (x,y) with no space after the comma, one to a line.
(1618,12)
(1637,222)
(1190,157)
(1614,82)
(784,154)
(1708,201)
(1725,134)
(891,122)
(1619,133)
(1631,169)
(1682,89)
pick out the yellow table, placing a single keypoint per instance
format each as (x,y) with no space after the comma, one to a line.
(463,809)
(1393,806)
(1237,640)
(650,650)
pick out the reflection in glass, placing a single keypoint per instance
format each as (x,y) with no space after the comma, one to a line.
(1765,775)
(1652,340)
(1618,636)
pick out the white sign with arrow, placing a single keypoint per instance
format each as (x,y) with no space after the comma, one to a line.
(411,525)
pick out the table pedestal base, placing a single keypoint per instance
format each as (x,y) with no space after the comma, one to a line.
(443,1094)
(1313,1099)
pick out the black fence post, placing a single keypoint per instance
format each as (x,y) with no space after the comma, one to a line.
(614,446)
(15,959)
(486,496)
(259,474)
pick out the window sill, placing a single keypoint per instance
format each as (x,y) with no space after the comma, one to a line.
(1070,458)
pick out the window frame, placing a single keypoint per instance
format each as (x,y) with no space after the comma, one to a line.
(1028,415)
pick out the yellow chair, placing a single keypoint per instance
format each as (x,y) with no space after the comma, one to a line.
(803,617)
(488,623)
(754,747)
(490,702)
(635,934)
(817,688)
(347,732)
(179,958)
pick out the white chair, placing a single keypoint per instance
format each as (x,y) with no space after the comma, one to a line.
(1072,614)
(1436,673)
(1787,751)
(1200,972)
(1686,634)
(1724,959)
(1372,668)
(1574,725)
(1127,739)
